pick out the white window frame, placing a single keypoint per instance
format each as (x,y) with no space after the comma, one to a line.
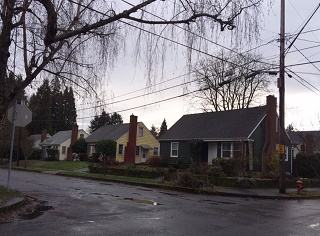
(137,149)
(140,132)
(177,149)
(120,150)
(232,149)
(156,151)
(63,150)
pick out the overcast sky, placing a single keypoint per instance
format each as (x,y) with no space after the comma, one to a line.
(126,91)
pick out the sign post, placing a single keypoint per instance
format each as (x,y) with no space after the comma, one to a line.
(19,115)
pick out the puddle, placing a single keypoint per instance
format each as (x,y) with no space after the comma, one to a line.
(142,201)
(38,209)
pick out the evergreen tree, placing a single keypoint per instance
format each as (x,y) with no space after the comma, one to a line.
(70,113)
(115,119)
(163,127)
(105,118)
(40,105)
(57,106)
(154,131)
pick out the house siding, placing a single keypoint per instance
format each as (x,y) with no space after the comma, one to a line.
(259,140)
(147,139)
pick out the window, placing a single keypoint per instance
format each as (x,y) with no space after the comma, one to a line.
(140,131)
(120,149)
(137,150)
(155,151)
(81,135)
(226,150)
(174,149)
(64,148)
(231,149)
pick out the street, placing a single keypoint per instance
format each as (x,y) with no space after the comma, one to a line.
(71,206)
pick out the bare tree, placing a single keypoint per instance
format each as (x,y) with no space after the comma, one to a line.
(75,40)
(233,82)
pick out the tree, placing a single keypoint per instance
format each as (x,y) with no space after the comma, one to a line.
(74,40)
(57,106)
(40,105)
(106,147)
(290,128)
(233,83)
(154,131)
(70,112)
(80,146)
(163,127)
(105,119)
(115,119)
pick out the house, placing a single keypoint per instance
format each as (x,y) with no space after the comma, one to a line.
(135,143)
(63,141)
(307,142)
(249,133)
(35,140)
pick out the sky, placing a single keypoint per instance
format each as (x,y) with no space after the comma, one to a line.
(126,90)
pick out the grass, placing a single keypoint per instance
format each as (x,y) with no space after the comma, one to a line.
(37,165)
(6,194)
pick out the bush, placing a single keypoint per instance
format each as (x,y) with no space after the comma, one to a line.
(53,154)
(215,171)
(227,165)
(274,166)
(308,166)
(83,157)
(35,154)
(154,161)
(186,179)
(180,162)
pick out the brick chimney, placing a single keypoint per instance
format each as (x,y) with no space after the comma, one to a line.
(44,135)
(130,150)
(269,148)
(74,138)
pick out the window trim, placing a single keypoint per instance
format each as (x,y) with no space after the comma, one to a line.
(120,145)
(64,150)
(137,148)
(171,154)
(140,132)
(156,154)
(232,149)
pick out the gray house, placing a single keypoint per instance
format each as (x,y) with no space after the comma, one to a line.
(250,133)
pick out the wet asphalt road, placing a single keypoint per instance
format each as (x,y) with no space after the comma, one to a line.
(70,206)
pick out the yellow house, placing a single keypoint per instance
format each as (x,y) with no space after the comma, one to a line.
(145,144)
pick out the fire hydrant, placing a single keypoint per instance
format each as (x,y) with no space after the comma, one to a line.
(299,186)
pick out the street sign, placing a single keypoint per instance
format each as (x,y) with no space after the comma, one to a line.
(280,149)
(23,115)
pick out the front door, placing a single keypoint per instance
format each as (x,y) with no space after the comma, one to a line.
(144,155)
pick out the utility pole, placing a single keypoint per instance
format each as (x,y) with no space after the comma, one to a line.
(281,86)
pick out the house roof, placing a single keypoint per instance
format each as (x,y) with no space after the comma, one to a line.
(57,138)
(34,137)
(222,125)
(297,137)
(113,132)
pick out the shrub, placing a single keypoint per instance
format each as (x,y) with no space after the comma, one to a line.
(308,166)
(227,165)
(83,157)
(53,154)
(180,162)
(186,179)
(35,154)
(215,171)
(154,161)
(274,166)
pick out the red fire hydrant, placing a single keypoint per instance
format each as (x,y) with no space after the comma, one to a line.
(299,186)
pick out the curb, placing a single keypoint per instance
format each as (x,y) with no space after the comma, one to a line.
(12,204)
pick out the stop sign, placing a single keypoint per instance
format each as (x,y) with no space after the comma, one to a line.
(23,115)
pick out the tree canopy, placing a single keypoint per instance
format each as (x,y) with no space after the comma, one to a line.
(105,119)
(77,40)
(163,127)
(233,83)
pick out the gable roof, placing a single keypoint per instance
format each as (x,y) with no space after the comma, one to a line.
(57,138)
(222,125)
(113,132)
(297,137)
